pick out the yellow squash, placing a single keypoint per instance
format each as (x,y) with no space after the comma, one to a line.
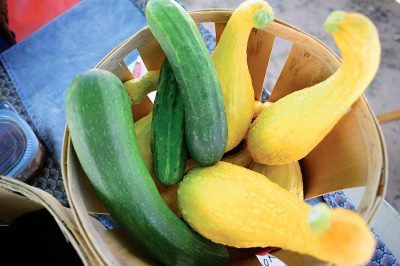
(230,60)
(259,107)
(143,135)
(238,207)
(139,88)
(287,176)
(291,127)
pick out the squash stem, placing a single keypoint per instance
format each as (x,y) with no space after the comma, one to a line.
(333,21)
(320,218)
(262,17)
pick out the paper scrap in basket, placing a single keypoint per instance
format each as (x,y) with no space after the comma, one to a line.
(266,259)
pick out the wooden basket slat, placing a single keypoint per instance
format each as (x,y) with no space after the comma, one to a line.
(122,71)
(216,15)
(137,41)
(142,109)
(219,28)
(309,43)
(350,156)
(92,203)
(301,70)
(381,192)
(125,248)
(259,48)
(296,259)
(88,226)
(376,156)
(152,55)
(324,170)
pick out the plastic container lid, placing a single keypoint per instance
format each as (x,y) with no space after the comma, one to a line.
(12,145)
(19,146)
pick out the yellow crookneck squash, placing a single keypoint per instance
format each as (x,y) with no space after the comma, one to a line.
(291,127)
(288,176)
(259,107)
(143,135)
(140,87)
(230,60)
(235,206)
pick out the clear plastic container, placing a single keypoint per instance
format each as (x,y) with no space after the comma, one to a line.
(21,153)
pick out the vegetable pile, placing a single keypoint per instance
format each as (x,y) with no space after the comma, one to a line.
(209,153)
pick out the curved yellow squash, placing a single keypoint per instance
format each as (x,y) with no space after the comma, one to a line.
(230,60)
(139,88)
(238,207)
(291,127)
(287,176)
(143,135)
(259,107)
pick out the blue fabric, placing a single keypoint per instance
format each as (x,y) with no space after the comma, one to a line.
(43,65)
(108,222)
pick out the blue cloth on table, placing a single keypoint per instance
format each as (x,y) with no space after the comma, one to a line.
(43,65)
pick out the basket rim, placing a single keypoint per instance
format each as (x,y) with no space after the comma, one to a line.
(272,28)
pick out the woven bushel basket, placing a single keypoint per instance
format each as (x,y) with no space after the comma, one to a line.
(352,155)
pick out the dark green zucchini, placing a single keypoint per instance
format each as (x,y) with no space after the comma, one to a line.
(168,129)
(205,119)
(100,121)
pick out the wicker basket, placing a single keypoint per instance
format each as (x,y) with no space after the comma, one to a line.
(352,155)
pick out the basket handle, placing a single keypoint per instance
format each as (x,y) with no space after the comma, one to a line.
(17,198)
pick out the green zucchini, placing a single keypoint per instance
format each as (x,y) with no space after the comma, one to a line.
(99,118)
(168,129)
(205,118)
